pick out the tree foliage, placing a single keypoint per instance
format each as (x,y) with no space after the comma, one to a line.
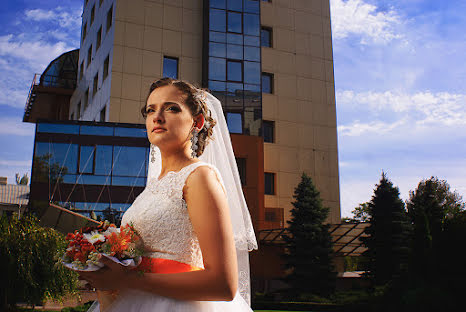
(24,180)
(361,213)
(28,262)
(309,244)
(387,241)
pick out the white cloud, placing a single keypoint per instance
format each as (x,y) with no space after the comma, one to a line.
(15,163)
(15,126)
(59,15)
(356,17)
(38,53)
(421,110)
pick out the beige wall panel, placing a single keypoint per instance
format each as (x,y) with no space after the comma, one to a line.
(115,85)
(267,11)
(325,8)
(146,81)
(306,136)
(174,2)
(316,24)
(269,59)
(303,43)
(152,39)
(288,109)
(119,34)
(132,60)
(271,157)
(332,116)
(287,133)
(303,66)
(322,137)
(326,26)
(289,160)
(284,3)
(154,1)
(271,201)
(318,91)
(192,4)
(316,6)
(286,63)
(134,35)
(117,62)
(330,89)
(171,42)
(130,111)
(333,164)
(151,64)
(284,40)
(322,164)
(191,21)
(285,85)
(305,111)
(286,183)
(303,5)
(153,14)
(307,161)
(318,69)
(317,46)
(269,106)
(334,189)
(303,21)
(131,87)
(172,18)
(284,18)
(329,71)
(134,11)
(303,89)
(191,45)
(114,111)
(322,184)
(328,53)
(286,204)
(190,70)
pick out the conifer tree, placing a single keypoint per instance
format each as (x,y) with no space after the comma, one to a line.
(309,244)
(388,234)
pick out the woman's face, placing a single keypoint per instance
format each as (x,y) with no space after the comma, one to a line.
(169,120)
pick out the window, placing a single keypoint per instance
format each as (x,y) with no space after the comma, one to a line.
(107,59)
(102,114)
(99,38)
(109,18)
(86,98)
(78,112)
(266,37)
(170,67)
(269,183)
(235,22)
(234,123)
(241,163)
(96,84)
(267,83)
(89,56)
(92,14)
(269,127)
(86,159)
(84,31)
(234,71)
(81,70)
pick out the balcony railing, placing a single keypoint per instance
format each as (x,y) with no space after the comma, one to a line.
(51,81)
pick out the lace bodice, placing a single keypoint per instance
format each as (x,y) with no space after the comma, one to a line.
(160,216)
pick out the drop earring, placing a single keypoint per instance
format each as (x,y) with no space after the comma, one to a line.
(194,140)
(152,153)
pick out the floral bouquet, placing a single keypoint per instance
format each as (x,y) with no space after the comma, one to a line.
(86,246)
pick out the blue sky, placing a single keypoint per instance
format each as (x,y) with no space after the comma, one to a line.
(400,81)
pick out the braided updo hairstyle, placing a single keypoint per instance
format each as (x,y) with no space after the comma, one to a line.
(194,102)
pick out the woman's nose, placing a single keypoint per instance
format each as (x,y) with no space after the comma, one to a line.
(158,116)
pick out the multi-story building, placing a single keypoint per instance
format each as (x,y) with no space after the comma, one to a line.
(269,62)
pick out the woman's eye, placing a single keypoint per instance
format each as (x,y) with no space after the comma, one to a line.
(149,110)
(173,108)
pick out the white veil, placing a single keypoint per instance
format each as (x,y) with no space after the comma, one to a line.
(219,152)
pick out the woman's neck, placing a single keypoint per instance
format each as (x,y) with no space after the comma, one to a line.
(174,161)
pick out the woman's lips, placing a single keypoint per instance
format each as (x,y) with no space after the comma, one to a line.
(159,130)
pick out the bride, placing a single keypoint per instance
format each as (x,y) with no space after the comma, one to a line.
(192,215)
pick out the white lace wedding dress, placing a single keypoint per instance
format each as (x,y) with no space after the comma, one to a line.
(161,217)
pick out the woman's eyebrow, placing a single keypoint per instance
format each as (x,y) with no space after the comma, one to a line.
(164,104)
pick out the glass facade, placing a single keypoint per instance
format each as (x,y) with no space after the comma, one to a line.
(233,62)
(94,168)
(170,67)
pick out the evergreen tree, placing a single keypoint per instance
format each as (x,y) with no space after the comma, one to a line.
(309,244)
(430,207)
(387,241)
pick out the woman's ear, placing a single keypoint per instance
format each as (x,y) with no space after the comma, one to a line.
(199,121)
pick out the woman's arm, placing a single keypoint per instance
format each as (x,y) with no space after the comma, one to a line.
(209,213)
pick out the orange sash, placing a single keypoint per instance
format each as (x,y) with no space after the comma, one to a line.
(164,266)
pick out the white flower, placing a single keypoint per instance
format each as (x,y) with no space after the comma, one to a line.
(94,237)
(111,230)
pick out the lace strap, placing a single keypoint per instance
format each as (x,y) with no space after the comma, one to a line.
(192,167)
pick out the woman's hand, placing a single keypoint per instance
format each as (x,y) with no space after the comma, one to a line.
(110,277)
